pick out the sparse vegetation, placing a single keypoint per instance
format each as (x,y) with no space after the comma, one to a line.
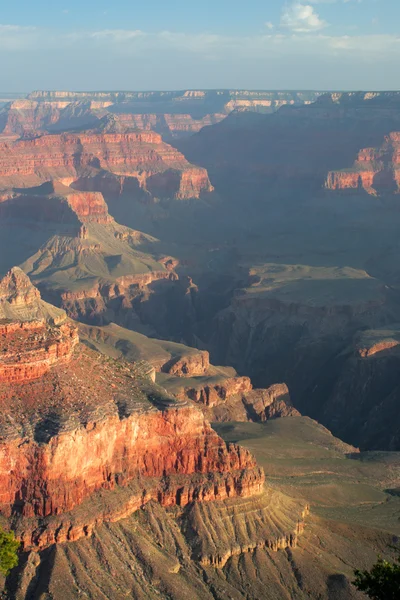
(381,582)
(8,551)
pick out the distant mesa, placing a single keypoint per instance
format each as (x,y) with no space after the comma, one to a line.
(375,171)
(173,114)
(340,141)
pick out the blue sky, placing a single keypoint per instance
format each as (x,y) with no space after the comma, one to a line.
(175,44)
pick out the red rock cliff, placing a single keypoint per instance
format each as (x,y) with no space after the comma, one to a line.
(68,431)
(69,157)
(57,203)
(376,170)
(49,479)
(33,335)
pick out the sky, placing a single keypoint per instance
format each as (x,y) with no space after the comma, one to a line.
(181,44)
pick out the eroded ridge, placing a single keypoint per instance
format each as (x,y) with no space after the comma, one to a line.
(34,335)
(85,439)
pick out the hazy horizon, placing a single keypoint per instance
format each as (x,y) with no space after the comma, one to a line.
(300,45)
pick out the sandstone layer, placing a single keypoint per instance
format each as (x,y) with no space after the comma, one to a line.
(139,161)
(72,424)
(34,335)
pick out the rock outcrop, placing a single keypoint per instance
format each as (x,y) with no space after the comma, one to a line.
(192,364)
(25,118)
(34,336)
(186,374)
(70,430)
(376,170)
(141,161)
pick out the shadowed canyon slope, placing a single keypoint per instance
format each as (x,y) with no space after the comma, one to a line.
(187,374)
(311,266)
(254,257)
(297,145)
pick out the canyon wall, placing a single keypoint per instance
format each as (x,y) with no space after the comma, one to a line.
(143,157)
(186,373)
(73,423)
(27,117)
(42,480)
(294,149)
(172,114)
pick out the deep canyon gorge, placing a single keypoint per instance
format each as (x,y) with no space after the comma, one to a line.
(199,342)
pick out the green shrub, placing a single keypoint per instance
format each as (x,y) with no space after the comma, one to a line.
(382,582)
(8,551)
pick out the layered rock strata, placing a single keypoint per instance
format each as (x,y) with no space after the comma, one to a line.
(29,348)
(376,170)
(74,424)
(25,117)
(140,161)
(172,114)
(187,374)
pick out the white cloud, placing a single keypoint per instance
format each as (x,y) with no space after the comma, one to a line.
(269,25)
(301,18)
(334,1)
(116,35)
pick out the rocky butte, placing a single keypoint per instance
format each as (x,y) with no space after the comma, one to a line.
(73,423)
(376,170)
